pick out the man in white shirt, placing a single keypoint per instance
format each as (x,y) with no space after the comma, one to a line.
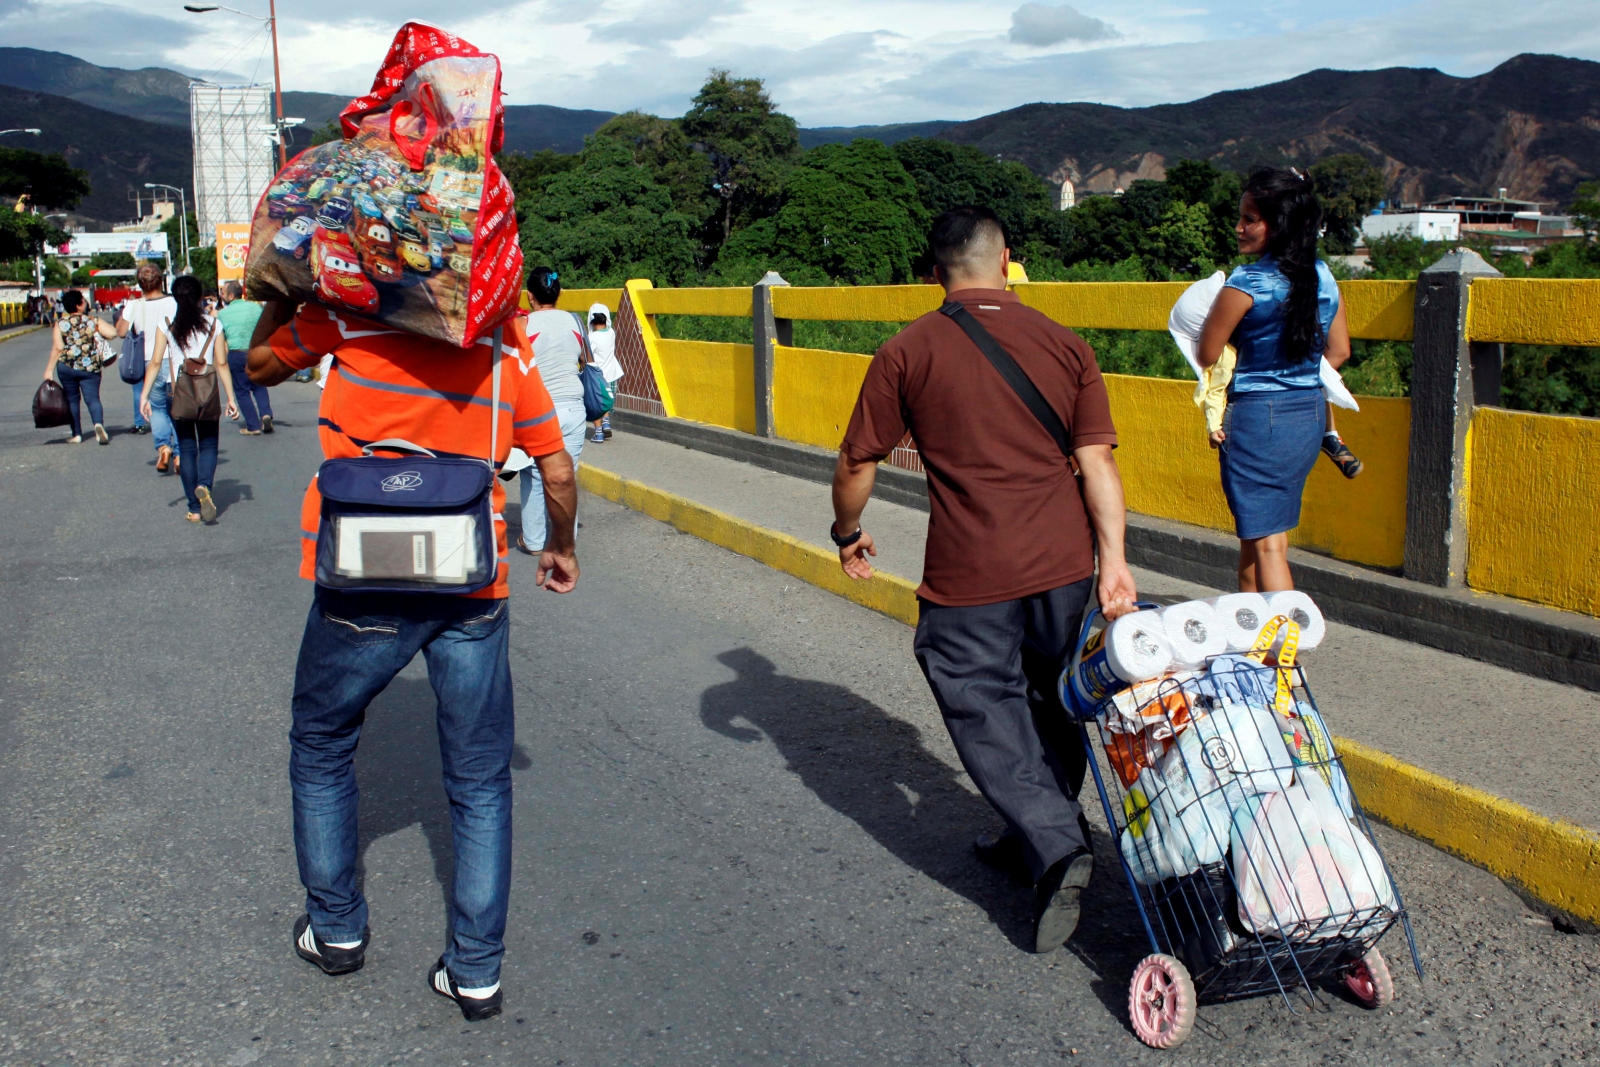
(150,312)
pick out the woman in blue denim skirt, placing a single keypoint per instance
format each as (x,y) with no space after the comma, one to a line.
(1281,313)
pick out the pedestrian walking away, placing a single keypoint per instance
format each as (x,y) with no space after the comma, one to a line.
(142,319)
(406,391)
(76,358)
(1282,314)
(1002,403)
(189,356)
(238,319)
(603,347)
(557,346)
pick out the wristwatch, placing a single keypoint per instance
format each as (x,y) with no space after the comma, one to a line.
(844,542)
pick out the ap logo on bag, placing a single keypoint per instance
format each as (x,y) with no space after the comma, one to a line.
(404,480)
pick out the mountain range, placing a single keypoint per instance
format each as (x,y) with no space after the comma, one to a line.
(1531,126)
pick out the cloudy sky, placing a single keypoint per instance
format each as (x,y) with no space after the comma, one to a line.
(830,62)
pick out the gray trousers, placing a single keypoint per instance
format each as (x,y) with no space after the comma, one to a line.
(993,669)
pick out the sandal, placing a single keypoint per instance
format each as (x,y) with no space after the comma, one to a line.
(249,433)
(192,517)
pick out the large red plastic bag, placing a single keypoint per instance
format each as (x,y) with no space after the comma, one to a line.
(407,219)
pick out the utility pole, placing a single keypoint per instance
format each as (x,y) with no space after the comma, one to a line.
(281,125)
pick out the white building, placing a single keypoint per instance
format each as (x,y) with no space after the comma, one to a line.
(1069,195)
(1428,225)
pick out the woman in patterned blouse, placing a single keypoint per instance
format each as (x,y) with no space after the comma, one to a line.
(76,356)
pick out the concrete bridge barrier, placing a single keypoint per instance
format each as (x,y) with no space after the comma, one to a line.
(1458,492)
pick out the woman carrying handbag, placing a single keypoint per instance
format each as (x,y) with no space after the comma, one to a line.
(76,357)
(188,353)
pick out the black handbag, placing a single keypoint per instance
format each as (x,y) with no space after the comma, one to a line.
(50,406)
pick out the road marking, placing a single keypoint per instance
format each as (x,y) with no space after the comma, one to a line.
(1556,861)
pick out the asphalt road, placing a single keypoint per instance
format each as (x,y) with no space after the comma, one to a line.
(742,835)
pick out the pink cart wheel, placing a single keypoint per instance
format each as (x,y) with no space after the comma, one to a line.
(1161,1001)
(1369,981)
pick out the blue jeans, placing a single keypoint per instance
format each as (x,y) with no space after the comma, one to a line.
(354,645)
(138,416)
(74,382)
(161,415)
(253,399)
(535,517)
(197,447)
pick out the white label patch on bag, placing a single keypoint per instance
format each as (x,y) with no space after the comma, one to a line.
(438,548)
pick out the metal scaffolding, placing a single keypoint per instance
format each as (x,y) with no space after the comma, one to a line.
(233,162)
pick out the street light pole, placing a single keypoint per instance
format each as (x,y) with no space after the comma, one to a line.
(183,219)
(277,84)
(281,126)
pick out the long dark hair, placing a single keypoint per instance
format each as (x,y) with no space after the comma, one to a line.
(1287,201)
(190,317)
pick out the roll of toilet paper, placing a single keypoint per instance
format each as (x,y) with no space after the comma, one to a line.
(1194,632)
(1242,615)
(1301,609)
(1137,646)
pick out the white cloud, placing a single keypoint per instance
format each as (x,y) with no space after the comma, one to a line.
(1041,26)
(836,62)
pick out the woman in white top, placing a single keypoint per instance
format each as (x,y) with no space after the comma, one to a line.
(558,355)
(144,317)
(603,347)
(192,334)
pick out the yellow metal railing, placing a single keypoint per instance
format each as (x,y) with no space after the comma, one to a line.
(1530,492)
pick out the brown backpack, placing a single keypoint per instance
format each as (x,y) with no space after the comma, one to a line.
(195,393)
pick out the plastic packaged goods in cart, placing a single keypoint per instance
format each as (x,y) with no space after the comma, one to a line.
(1252,865)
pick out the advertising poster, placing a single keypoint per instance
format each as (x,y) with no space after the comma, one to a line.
(233,246)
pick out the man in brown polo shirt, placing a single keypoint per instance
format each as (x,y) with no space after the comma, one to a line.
(1012,538)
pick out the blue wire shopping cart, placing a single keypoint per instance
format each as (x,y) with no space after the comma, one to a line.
(1252,866)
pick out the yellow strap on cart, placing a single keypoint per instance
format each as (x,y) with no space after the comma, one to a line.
(1283,703)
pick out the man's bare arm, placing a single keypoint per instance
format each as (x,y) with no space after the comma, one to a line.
(263,365)
(1108,512)
(852,488)
(558,562)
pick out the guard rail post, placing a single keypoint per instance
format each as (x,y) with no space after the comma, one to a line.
(1443,390)
(766,332)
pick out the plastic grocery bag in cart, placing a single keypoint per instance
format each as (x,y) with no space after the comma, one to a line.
(1302,868)
(407,219)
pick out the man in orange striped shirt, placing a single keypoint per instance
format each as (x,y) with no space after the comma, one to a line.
(386,384)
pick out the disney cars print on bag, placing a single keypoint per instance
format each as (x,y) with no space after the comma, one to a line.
(338,271)
(295,238)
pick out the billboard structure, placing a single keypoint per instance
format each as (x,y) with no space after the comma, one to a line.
(233,161)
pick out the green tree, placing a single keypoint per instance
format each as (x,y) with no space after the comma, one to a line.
(950,175)
(750,144)
(660,146)
(850,213)
(328,131)
(607,220)
(1199,181)
(23,235)
(1585,208)
(1348,187)
(48,180)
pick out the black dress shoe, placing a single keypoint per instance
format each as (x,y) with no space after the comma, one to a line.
(1055,899)
(1005,852)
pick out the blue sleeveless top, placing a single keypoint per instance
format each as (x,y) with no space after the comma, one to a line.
(1262,365)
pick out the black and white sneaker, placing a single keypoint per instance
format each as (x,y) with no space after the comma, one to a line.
(311,948)
(473,1009)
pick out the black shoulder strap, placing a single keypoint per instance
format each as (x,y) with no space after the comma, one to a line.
(1014,375)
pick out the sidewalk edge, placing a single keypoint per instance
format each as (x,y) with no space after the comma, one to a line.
(1556,862)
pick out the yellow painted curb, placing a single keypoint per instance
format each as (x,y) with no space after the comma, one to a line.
(886,593)
(1557,862)
(4,337)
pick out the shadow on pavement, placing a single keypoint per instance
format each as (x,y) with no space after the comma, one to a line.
(398,773)
(873,769)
